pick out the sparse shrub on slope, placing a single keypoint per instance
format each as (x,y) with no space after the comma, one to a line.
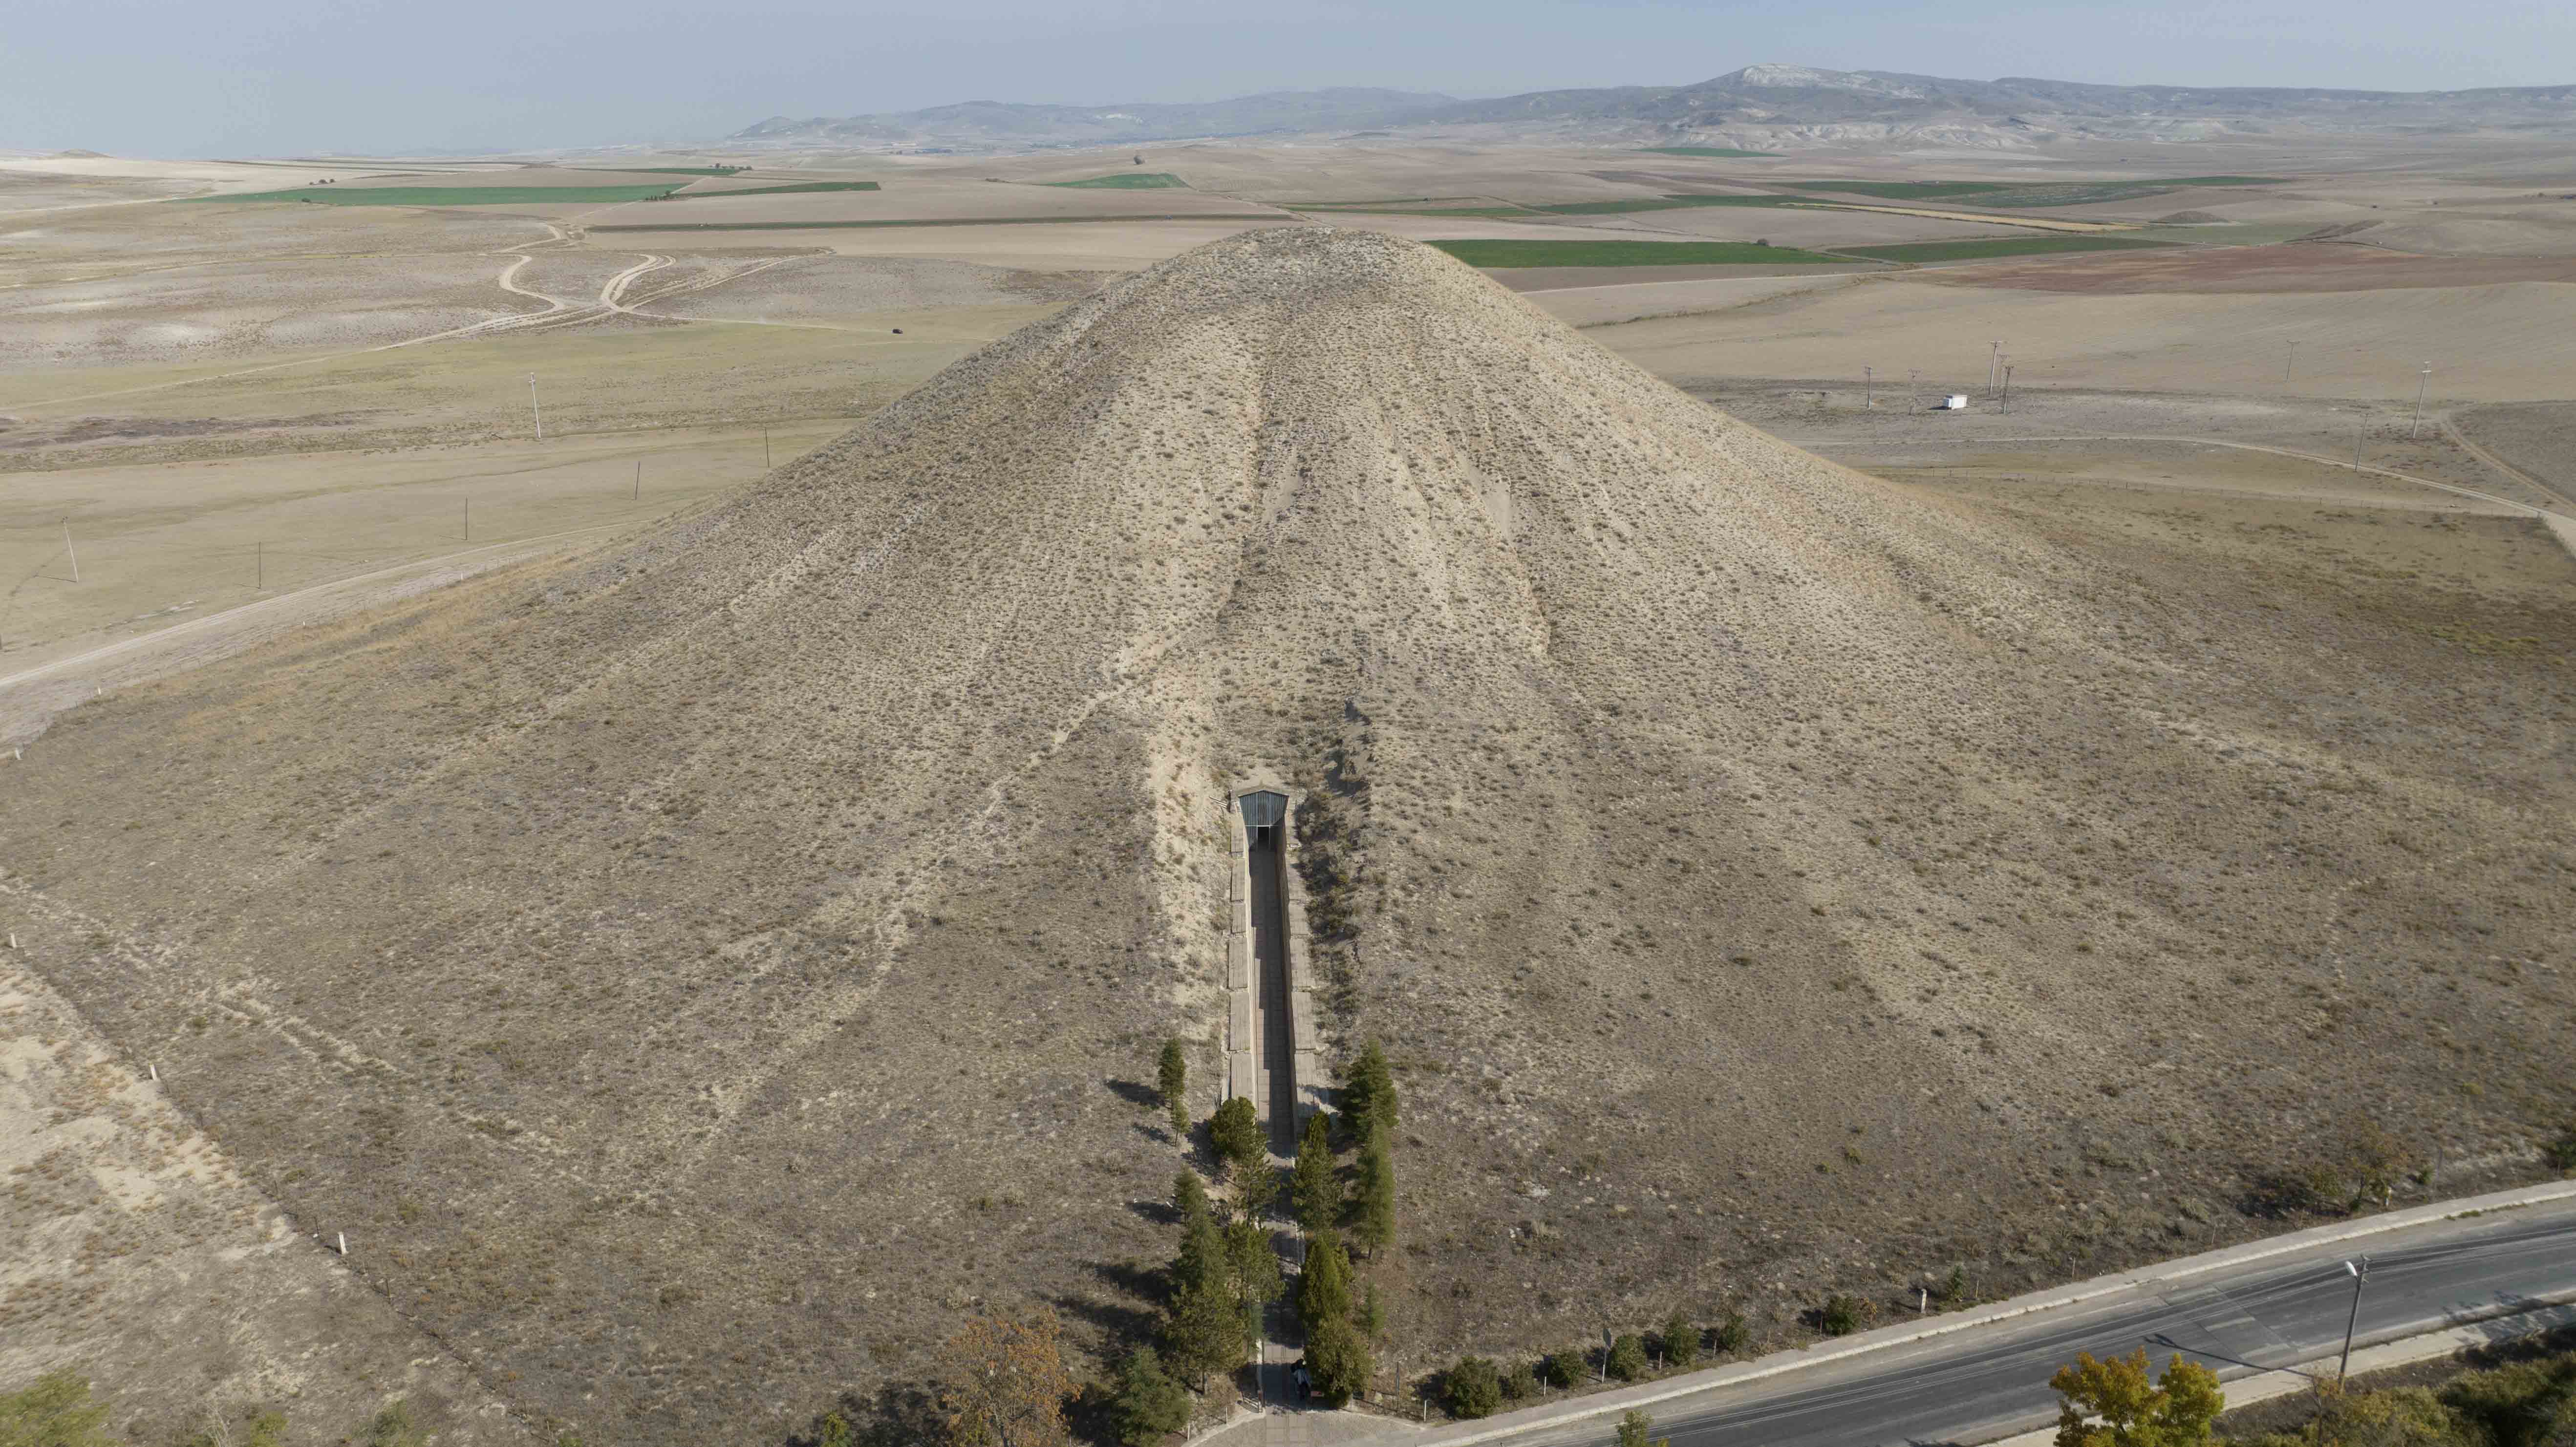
(2562,1151)
(393,1427)
(1472,1388)
(1562,1368)
(54,1410)
(1627,1359)
(1005,1383)
(1843,1315)
(1680,1340)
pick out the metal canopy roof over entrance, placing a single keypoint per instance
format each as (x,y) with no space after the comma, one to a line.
(1262,808)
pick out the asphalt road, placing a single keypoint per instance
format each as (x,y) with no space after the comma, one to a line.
(2270,1314)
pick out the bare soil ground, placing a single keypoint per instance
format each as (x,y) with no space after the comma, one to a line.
(2295,782)
(2489,342)
(767,920)
(160,544)
(2539,438)
(2304,267)
(140,1257)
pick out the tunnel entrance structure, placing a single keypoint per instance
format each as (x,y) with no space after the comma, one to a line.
(1270,1048)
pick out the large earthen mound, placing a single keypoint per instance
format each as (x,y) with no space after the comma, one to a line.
(696,976)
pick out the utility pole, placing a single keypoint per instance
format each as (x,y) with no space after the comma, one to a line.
(469,520)
(2007,398)
(2291,365)
(639,479)
(2423,379)
(1868,389)
(2360,1274)
(259,566)
(765,463)
(1994,364)
(532,407)
(68,548)
(2356,441)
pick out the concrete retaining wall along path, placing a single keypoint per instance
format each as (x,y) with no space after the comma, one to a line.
(1248,1023)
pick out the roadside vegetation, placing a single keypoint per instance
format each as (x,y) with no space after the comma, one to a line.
(1632,253)
(1998,246)
(2517,1394)
(2118,1403)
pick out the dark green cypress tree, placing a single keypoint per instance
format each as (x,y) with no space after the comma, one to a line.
(1148,1405)
(1235,1131)
(1324,1286)
(1368,1093)
(1172,1077)
(1313,1189)
(1202,1261)
(1373,1202)
(1337,1360)
(1254,1267)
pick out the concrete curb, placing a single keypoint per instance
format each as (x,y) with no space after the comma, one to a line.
(1799,1359)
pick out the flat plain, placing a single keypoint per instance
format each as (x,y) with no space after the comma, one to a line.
(2293,755)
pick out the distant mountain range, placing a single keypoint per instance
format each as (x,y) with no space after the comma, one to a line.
(1768,106)
(984,124)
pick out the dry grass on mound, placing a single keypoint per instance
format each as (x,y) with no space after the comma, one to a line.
(708,970)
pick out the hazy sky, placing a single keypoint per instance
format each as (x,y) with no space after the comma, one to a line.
(276,77)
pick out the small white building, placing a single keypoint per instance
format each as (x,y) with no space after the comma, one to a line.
(1958,402)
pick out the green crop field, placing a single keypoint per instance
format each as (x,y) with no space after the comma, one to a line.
(782,190)
(2000,246)
(451,195)
(1903,190)
(1130,181)
(1482,213)
(2104,192)
(1703,151)
(1629,253)
(944,221)
(1667,203)
(2015,194)
(1363,205)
